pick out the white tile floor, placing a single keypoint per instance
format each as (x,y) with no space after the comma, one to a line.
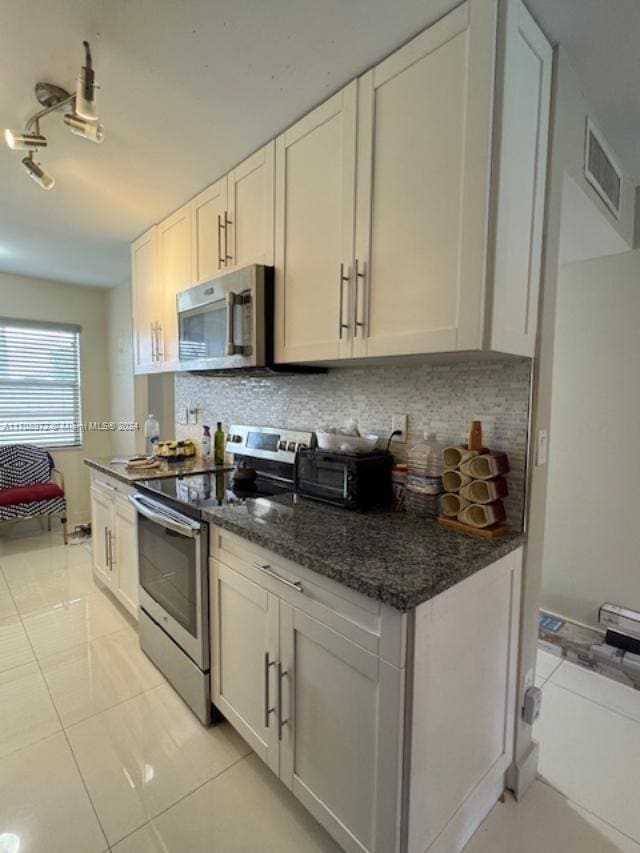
(587,799)
(97,752)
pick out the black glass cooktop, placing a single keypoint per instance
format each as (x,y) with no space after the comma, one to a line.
(199,491)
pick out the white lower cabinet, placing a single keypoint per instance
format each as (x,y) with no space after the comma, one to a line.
(394,730)
(114,539)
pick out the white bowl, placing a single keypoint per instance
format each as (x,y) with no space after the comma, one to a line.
(346,443)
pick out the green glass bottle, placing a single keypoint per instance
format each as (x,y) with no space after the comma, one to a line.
(218,445)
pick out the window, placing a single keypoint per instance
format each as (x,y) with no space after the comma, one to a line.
(39,384)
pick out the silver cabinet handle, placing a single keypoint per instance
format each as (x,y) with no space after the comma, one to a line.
(267,709)
(111,550)
(357,324)
(106,546)
(281,723)
(153,342)
(227,256)
(159,349)
(342,325)
(266,569)
(220,255)
(106,485)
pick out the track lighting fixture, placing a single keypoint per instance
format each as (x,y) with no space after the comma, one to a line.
(22,141)
(35,171)
(92,130)
(82,118)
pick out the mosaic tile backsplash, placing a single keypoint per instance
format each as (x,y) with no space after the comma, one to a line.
(442,398)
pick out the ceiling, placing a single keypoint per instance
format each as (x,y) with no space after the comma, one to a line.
(190,88)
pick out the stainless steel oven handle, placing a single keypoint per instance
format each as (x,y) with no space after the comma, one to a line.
(186,527)
(266,570)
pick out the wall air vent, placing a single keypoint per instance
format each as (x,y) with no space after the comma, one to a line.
(604,175)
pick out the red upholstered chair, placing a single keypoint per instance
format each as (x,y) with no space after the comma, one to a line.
(27,487)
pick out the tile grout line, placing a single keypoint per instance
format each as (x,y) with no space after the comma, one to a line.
(183,797)
(598,704)
(588,811)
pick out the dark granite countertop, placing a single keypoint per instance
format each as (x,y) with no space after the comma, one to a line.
(166,469)
(396,558)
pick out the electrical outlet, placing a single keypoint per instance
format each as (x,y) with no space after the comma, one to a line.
(399,422)
(183,415)
(543,444)
(192,414)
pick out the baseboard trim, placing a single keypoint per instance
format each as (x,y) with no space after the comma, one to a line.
(523,771)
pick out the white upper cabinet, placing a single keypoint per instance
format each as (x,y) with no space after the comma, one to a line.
(249,222)
(144,266)
(519,214)
(315,207)
(423,175)
(208,216)
(174,261)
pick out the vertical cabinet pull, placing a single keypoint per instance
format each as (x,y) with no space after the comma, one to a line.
(281,723)
(357,324)
(111,550)
(341,324)
(267,705)
(153,342)
(107,556)
(220,255)
(227,256)
(159,349)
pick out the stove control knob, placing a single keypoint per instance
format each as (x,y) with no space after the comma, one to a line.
(236,438)
(300,445)
(291,447)
(282,445)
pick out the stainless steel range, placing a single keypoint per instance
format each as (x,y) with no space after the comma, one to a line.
(173,550)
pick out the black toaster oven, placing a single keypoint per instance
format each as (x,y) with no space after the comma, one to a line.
(353,482)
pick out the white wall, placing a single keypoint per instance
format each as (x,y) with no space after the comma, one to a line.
(570,109)
(38,299)
(127,393)
(592,537)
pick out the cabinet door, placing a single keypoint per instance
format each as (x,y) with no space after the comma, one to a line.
(145,289)
(315,198)
(522,170)
(208,213)
(174,259)
(341,742)
(101,535)
(424,149)
(245,651)
(125,551)
(249,229)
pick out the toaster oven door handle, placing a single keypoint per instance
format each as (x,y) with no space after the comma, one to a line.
(265,568)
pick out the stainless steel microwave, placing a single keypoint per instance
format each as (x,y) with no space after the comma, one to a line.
(227,323)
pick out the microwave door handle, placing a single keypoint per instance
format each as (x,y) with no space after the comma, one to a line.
(164,520)
(230,348)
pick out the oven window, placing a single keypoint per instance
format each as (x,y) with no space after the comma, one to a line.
(322,474)
(168,571)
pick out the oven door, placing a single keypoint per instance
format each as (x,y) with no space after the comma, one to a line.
(221,323)
(172,554)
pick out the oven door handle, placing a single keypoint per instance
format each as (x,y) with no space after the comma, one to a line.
(186,528)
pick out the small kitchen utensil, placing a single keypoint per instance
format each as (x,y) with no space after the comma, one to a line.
(452,504)
(485,491)
(486,466)
(454,480)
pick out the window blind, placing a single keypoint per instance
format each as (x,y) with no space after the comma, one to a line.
(40,384)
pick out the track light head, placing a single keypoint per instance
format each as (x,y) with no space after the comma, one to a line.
(86,88)
(22,141)
(35,171)
(92,130)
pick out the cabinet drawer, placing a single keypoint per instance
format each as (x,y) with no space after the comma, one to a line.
(110,485)
(372,625)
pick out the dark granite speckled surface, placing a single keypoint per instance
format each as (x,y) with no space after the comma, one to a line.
(165,469)
(398,559)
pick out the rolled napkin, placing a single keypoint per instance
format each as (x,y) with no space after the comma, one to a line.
(484,491)
(453,480)
(486,466)
(483,515)
(452,504)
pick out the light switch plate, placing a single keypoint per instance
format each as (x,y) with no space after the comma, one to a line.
(542,449)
